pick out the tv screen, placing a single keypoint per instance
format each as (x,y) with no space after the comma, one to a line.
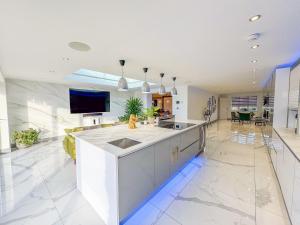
(89,101)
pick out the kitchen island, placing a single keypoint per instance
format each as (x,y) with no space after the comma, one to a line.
(118,168)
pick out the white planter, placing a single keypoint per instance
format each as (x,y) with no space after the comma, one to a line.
(21,146)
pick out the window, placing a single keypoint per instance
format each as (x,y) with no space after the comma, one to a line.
(244,103)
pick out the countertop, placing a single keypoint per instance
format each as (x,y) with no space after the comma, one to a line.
(146,134)
(291,139)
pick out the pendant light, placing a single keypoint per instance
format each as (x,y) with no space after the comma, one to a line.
(122,84)
(174,90)
(162,89)
(146,86)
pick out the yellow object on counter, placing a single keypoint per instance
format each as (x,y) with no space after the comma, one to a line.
(132,121)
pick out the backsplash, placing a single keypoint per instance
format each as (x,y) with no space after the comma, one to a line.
(45,106)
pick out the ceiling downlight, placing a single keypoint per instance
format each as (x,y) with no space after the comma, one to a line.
(79,46)
(255,46)
(254,18)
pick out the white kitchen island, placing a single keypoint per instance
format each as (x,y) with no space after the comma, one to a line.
(116,181)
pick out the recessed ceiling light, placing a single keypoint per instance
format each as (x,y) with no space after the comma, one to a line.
(254,60)
(254,46)
(79,46)
(254,18)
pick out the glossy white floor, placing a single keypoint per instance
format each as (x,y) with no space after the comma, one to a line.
(231,183)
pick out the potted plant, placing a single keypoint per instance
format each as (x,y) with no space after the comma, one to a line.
(26,138)
(151,113)
(134,106)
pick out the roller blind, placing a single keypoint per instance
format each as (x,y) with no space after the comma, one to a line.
(244,101)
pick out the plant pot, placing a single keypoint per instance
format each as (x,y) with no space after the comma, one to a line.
(151,120)
(21,145)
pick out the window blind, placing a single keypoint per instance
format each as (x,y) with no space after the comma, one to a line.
(244,101)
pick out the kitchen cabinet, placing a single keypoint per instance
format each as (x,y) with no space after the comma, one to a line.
(287,169)
(189,137)
(295,214)
(162,161)
(279,161)
(287,179)
(136,179)
(175,152)
(146,170)
(275,144)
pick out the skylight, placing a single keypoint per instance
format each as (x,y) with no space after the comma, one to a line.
(95,77)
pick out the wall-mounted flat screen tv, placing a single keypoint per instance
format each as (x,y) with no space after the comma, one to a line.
(89,101)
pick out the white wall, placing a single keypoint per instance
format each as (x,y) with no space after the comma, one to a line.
(180,103)
(4,128)
(197,102)
(281,97)
(45,106)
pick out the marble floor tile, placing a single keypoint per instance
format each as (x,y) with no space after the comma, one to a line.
(41,212)
(196,205)
(83,216)
(264,217)
(166,220)
(232,182)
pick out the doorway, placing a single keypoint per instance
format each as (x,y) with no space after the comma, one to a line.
(164,102)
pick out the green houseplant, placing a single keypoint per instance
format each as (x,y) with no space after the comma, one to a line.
(133,106)
(26,138)
(151,113)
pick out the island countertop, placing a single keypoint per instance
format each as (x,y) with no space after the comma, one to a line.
(146,134)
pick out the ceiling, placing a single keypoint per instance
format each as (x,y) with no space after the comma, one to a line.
(203,43)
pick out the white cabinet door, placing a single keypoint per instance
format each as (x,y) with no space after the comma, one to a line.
(136,179)
(295,215)
(274,147)
(279,162)
(288,174)
(162,162)
(188,153)
(174,154)
(189,137)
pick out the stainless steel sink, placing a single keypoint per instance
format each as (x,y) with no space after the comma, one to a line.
(124,143)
